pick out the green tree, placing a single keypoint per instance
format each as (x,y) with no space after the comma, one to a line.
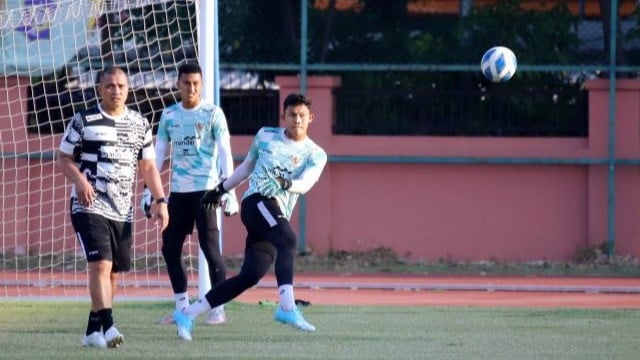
(538,37)
(255,31)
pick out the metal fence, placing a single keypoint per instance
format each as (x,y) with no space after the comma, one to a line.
(408,67)
(419,61)
(408,57)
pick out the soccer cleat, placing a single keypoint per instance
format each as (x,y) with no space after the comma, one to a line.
(184,324)
(293,318)
(95,339)
(113,337)
(216,317)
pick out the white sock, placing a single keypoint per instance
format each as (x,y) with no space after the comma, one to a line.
(219,308)
(182,300)
(287,302)
(197,308)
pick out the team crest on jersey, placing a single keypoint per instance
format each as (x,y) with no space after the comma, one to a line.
(199,127)
(295,160)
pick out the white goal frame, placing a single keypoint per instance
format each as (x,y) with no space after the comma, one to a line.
(29,174)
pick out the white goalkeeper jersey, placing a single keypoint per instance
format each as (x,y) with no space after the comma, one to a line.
(192,134)
(107,150)
(275,154)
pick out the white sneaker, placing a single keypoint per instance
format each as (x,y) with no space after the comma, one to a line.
(216,317)
(95,339)
(113,337)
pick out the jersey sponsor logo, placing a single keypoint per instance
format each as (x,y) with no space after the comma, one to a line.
(100,133)
(114,152)
(93,117)
(186,141)
(280,172)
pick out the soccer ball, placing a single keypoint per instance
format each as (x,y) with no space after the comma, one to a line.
(498,64)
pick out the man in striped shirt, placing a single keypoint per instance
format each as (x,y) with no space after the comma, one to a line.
(101,150)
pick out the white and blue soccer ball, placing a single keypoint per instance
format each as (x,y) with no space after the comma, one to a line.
(499,64)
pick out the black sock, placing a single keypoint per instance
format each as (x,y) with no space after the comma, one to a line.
(94,323)
(106,318)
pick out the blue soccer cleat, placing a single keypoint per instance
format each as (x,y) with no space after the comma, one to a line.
(184,324)
(293,318)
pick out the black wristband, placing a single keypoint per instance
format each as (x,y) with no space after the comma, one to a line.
(162,200)
(221,187)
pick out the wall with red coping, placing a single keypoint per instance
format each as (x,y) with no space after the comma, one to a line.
(514,212)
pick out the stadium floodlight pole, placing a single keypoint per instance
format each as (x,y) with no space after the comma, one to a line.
(207,52)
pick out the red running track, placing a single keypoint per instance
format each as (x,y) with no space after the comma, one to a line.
(349,289)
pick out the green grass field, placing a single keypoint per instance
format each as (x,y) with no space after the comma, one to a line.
(43,329)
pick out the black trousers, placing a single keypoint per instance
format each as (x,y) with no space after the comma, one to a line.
(269,238)
(184,212)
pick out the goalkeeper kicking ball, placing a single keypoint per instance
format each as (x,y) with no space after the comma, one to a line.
(498,64)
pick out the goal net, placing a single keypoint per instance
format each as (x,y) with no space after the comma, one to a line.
(52,51)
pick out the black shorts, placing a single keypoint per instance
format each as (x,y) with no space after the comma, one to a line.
(185,211)
(267,228)
(104,239)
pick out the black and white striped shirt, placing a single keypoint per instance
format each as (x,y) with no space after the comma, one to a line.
(107,150)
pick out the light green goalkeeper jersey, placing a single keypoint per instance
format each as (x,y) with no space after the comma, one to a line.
(192,134)
(276,155)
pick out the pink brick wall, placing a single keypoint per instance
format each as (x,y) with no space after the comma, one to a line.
(470,211)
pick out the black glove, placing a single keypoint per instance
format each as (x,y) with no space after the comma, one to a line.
(211,198)
(285,184)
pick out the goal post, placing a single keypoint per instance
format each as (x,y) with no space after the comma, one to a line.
(52,53)
(208,51)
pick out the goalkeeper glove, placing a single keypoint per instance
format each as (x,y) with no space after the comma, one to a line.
(145,202)
(285,184)
(272,185)
(211,198)
(230,204)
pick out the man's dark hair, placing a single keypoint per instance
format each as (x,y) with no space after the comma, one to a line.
(111,70)
(189,68)
(296,99)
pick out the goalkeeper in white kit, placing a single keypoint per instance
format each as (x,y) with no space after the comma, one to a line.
(281,164)
(198,136)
